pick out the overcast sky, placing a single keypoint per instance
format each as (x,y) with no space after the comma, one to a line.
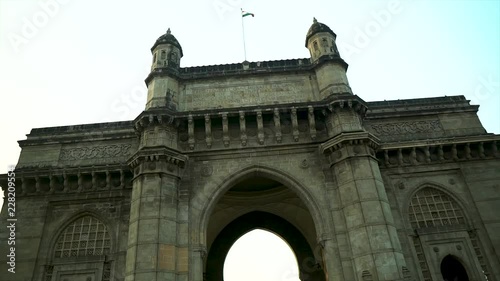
(75,62)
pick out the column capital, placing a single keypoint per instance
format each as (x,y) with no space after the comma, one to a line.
(353,144)
(351,138)
(157,160)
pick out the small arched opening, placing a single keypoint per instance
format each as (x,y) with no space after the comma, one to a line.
(453,270)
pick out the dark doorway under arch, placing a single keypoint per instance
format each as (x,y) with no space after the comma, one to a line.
(453,270)
(308,269)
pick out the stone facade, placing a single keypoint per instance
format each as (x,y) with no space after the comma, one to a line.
(389,190)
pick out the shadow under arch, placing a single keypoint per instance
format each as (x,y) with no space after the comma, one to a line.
(320,222)
(453,269)
(68,221)
(308,269)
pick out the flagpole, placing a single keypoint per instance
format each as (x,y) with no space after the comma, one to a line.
(243,28)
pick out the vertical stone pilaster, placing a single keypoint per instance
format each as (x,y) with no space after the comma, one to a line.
(295,124)
(155,250)
(277,125)
(198,255)
(375,246)
(191,140)
(332,262)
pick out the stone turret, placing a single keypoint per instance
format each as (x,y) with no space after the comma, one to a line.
(155,249)
(162,82)
(331,68)
(320,41)
(167,52)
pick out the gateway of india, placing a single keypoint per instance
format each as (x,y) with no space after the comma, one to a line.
(405,190)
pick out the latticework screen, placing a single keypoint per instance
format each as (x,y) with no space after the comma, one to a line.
(430,207)
(86,236)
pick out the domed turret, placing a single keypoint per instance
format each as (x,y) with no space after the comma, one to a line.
(329,66)
(167,52)
(163,86)
(320,41)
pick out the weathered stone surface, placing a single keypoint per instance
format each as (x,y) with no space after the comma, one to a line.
(382,190)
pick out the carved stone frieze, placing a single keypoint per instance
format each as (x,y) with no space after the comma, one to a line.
(411,127)
(95,152)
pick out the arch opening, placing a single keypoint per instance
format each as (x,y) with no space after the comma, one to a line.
(259,198)
(261,255)
(210,199)
(308,266)
(453,270)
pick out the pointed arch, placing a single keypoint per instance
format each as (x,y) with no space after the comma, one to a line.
(303,252)
(453,268)
(320,222)
(433,207)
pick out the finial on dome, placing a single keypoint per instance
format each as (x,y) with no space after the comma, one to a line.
(315,20)
(168,31)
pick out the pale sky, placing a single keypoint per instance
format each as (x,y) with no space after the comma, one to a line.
(75,62)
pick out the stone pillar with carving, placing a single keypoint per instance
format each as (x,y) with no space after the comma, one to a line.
(155,251)
(375,248)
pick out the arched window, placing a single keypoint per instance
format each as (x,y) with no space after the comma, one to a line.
(163,55)
(86,236)
(430,207)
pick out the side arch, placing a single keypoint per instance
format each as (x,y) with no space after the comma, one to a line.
(321,219)
(434,209)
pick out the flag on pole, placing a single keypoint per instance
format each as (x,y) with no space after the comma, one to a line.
(246,14)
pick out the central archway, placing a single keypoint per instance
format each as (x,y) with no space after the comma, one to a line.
(308,269)
(261,255)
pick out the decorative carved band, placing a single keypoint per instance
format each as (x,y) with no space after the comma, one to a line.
(104,151)
(407,127)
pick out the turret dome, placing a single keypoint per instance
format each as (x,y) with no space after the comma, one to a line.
(318,27)
(167,38)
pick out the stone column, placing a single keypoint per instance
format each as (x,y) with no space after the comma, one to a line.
(198,255)
(154,252)
(375,247)
(331,260)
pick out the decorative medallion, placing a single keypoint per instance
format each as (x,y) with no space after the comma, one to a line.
(206,170)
